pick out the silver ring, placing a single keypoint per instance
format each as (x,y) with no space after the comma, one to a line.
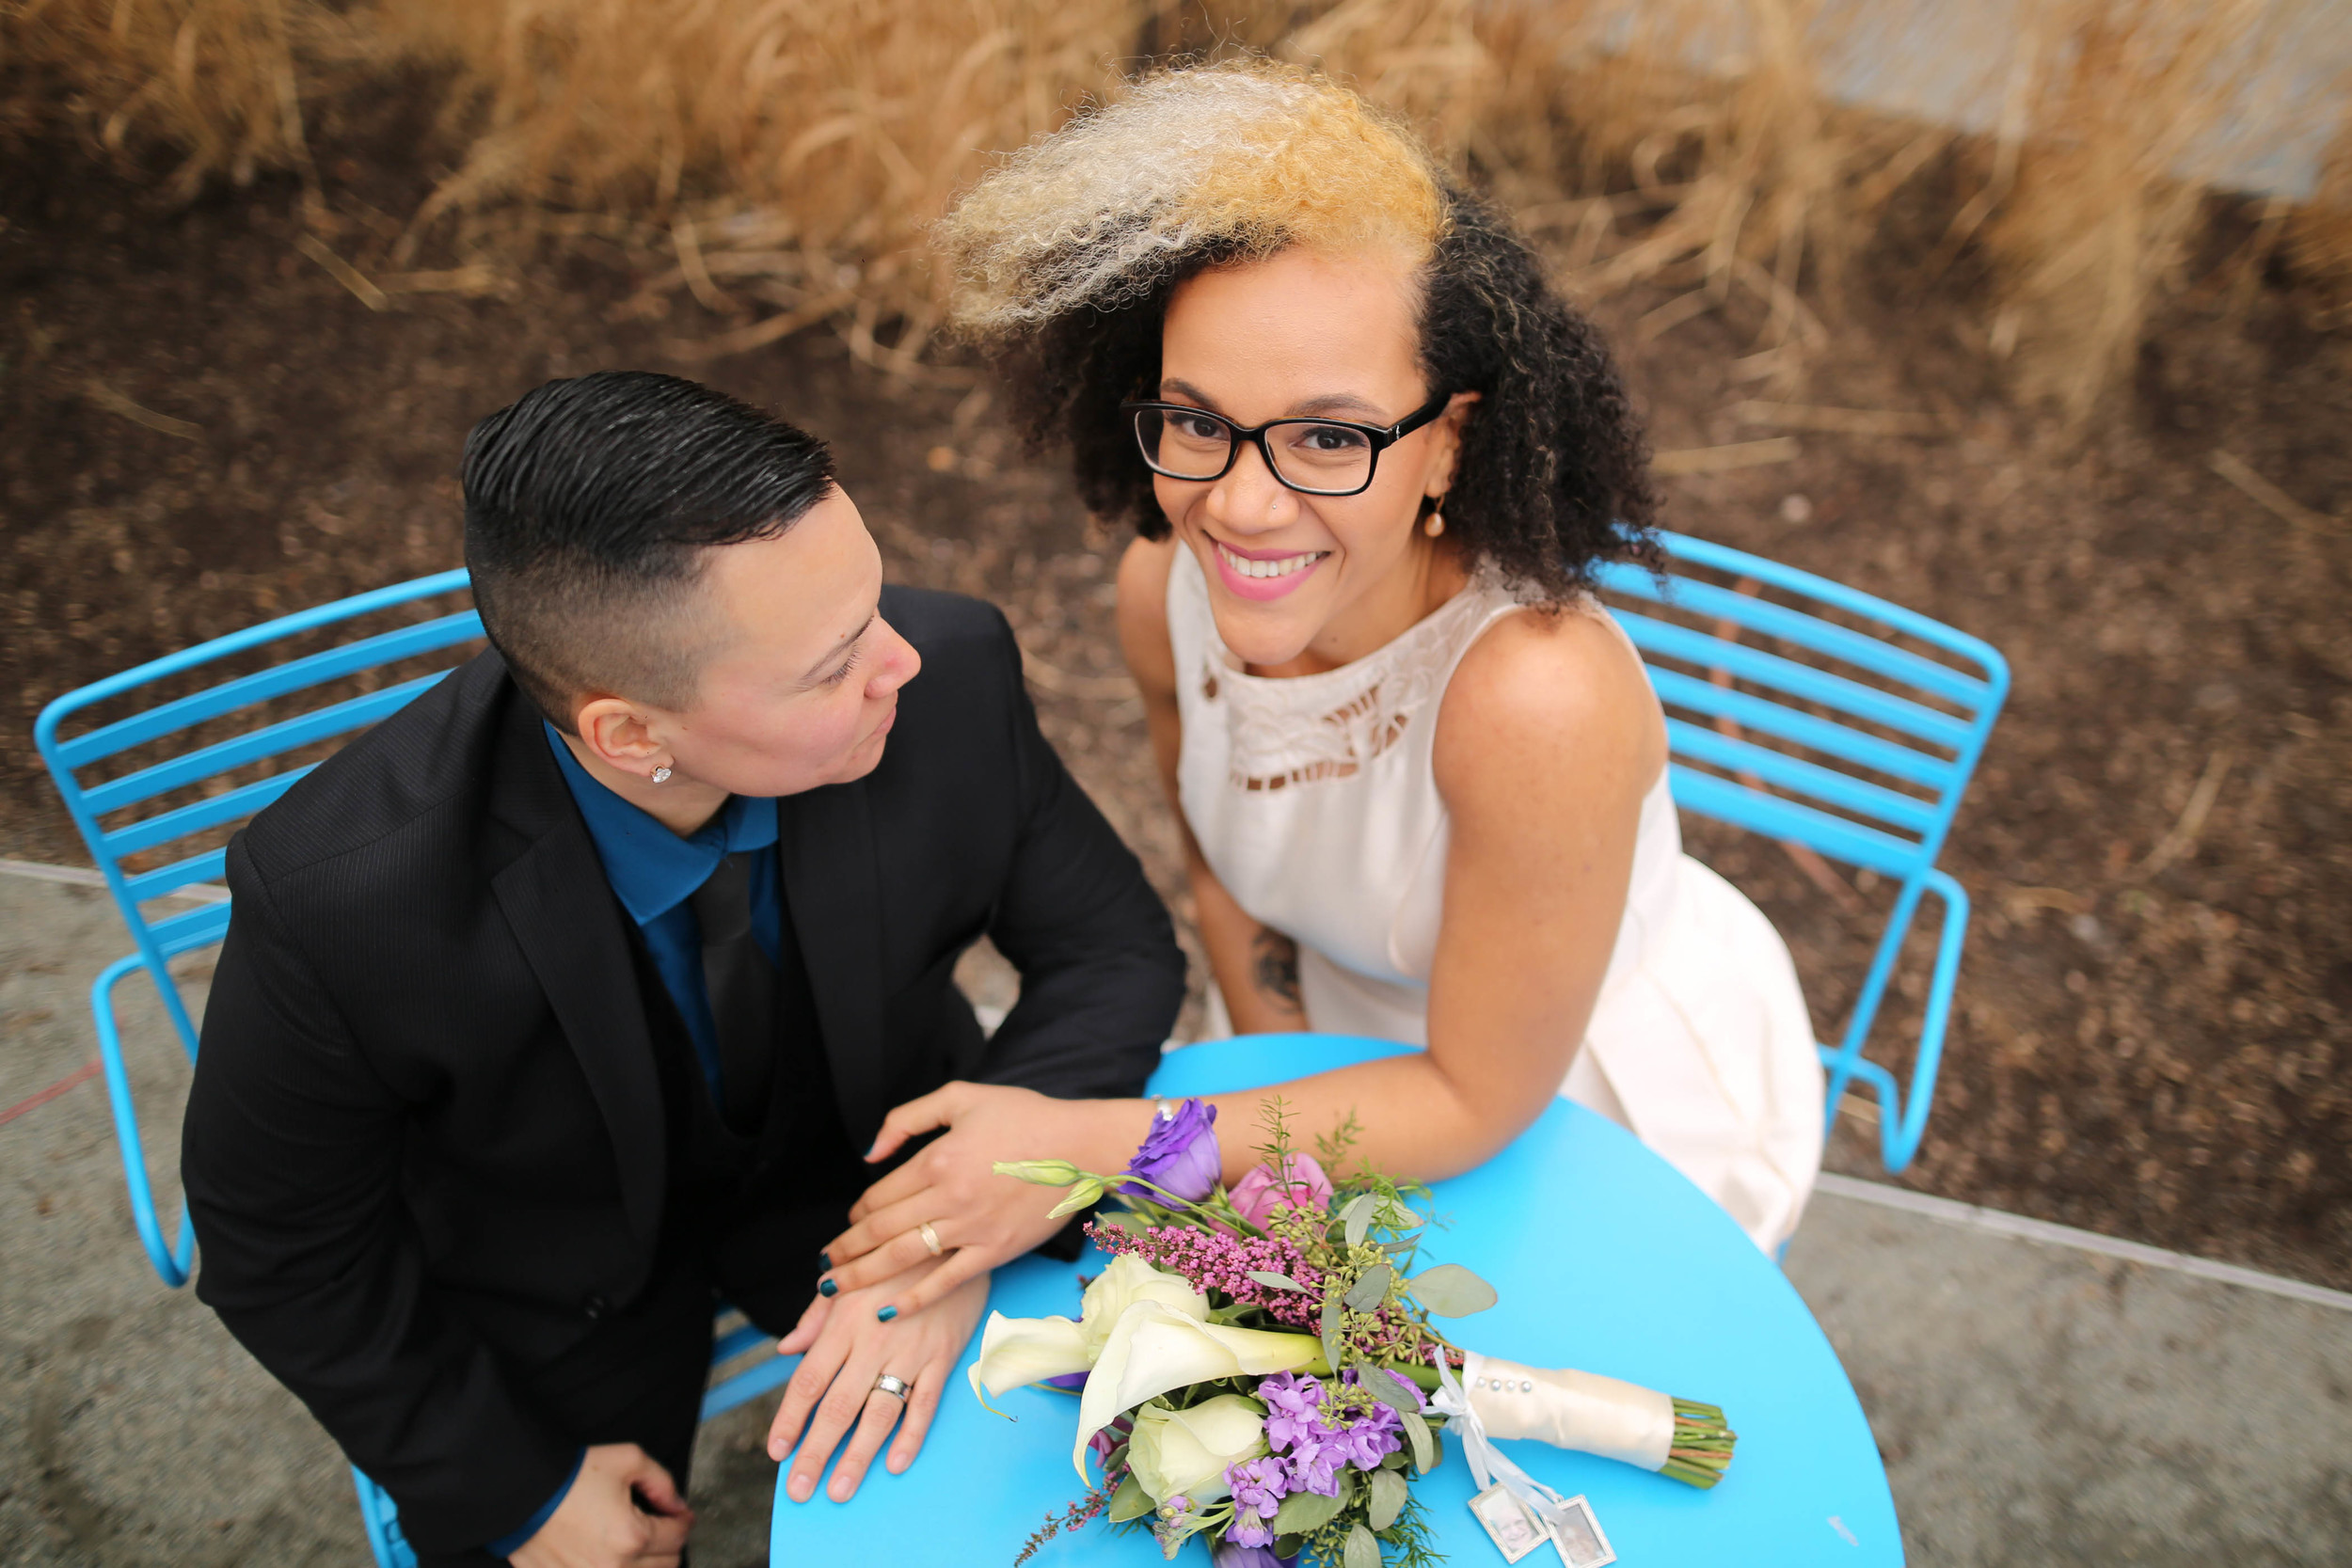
(931,1238)
(896,1387)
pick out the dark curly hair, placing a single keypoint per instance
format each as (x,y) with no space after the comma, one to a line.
(1554,472)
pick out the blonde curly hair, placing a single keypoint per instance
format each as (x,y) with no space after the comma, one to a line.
(1247,156)
(1066,260)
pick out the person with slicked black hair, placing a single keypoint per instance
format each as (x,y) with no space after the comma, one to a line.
(569,1000)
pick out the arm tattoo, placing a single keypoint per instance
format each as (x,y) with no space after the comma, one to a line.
(1274,965)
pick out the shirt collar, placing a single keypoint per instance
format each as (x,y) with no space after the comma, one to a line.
(652,869)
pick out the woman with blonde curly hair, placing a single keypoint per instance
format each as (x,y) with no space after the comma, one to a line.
(1372,459)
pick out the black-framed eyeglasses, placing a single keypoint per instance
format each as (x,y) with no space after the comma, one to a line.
(1315,457)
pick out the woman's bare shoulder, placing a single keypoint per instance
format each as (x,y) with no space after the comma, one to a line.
(1143,612)
(1550,691)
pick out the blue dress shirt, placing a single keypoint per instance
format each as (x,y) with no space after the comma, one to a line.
(654,872)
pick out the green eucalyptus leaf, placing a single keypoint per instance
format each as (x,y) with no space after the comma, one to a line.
(1357,1216)
(1387,1499)
(1127,1220)
(1394,1460)
(1362,1550)
(1424,1442)
(1450,1291)
(1289,1546)
(1305,1512)
(1332,1331)
(1370,1290)
(1389,1391)
(1277,1281)
(1131,1502)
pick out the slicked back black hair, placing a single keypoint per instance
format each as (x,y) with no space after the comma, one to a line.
(1554,471)
(592,506)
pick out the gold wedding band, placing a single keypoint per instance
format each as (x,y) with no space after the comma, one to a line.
(931,1238)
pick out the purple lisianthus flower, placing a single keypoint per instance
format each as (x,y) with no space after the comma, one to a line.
(1072,1383)
(1178,1155)
(1230,1553)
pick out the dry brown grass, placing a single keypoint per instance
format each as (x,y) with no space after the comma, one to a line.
(214,79)
(789,155)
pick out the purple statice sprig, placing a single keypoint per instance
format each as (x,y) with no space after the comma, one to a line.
(1218,1262)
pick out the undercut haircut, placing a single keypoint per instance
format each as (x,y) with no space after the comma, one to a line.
(592,508)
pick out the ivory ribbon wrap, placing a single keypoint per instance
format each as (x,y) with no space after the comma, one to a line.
(1570,1410)
(1488,1466)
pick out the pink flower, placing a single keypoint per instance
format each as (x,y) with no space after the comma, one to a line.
(1301,1184)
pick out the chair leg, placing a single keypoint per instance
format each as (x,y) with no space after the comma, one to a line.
(381,1518)
(1898,1143)
(171,1259)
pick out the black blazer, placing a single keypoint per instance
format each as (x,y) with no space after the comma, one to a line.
(426,1146)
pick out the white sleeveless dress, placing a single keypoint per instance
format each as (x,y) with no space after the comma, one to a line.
(1314,799)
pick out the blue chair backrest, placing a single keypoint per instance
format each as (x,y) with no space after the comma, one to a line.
(1803,710)
(155,803)
(143,853)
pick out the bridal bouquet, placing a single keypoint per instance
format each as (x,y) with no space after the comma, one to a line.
(1257,1365)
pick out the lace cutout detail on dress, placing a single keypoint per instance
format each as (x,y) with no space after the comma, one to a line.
(1288,732)
(1271,751)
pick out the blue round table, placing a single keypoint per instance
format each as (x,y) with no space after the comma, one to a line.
(1607,1261)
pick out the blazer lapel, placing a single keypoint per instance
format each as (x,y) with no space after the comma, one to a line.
(825,850)
(562,912)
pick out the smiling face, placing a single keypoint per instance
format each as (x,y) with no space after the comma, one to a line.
(1299,582)
(799,687)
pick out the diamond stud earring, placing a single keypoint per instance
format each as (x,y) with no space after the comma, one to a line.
(661,775)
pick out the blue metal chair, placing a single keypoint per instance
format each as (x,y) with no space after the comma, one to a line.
(158,794)
(1850,743)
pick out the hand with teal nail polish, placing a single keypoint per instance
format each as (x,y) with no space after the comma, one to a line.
(846,1340)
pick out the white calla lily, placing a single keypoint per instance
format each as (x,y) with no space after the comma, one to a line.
(1015,1352)
(1128,1280)
(1019,1351)
(1153,1348)
(1184,1452)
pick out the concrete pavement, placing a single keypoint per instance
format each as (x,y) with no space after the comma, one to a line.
(2035,1403)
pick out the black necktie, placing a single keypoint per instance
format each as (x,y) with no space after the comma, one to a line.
(741,985)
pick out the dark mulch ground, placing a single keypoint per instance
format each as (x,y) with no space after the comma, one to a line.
(2149,1052)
